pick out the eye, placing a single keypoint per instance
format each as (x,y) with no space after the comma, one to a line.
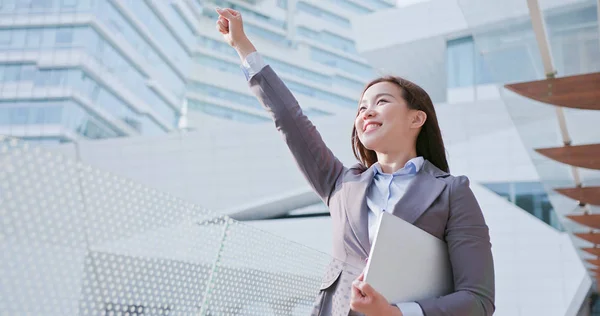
(362,108)
(381,101)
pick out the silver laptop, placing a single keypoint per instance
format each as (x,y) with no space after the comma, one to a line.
(406,263)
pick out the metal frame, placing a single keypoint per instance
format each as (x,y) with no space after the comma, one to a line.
(541,36)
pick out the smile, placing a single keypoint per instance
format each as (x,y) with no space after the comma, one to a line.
(371,126)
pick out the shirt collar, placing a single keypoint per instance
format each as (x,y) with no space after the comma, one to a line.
(411,167)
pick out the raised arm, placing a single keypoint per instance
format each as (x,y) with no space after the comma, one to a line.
(470,253)
(318,164)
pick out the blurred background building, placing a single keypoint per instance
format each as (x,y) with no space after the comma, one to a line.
(147,91)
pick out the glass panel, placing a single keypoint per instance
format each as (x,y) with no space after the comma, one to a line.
(80,241)
(530,196)
(320,94)
(217,63)
(352,6)
(328,39)
(378,4)
(220,93)
(226,113)
(322,14)
(460,61)
(341,63)
(269,35)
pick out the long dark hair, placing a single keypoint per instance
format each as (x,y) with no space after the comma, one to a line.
(430,144)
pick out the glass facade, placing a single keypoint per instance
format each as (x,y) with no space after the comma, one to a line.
(495,56)
(531,197)
(127,64)
(343,70)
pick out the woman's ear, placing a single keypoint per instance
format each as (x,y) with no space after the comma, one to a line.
(419,119)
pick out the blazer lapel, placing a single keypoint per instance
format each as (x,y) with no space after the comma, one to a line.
(357,207)
(420,194)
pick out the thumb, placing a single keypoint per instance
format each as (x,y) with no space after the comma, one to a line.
(366,289)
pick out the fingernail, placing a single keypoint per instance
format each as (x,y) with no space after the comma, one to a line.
(218,9)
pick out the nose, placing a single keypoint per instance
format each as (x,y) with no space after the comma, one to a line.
(368,113)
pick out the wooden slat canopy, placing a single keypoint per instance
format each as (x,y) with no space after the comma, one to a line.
(587,195)
(580,91)
(590,220)
(585,156)
(595,262)
(591,237)
(592,251)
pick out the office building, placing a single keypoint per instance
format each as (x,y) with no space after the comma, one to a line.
(83,69)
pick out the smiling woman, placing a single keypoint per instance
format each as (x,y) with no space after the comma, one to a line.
(402,170)
(410,118)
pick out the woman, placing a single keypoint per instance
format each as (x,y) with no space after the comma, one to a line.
(402,170)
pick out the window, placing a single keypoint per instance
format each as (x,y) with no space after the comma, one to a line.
(354,7)
(45,4)
(342,63)
(28,72)
(529,196)
(23,4)
(64,36)
(34,38)
(216,63)
(325,15)
(30,112)
(271,36)
(348,83)
(69,3)
(321,94)
(226,113)
(298,71)
(378,4)
(181,17)
(465,65)
(312,112)
(221,47)
(231,96)
(11,73)
(329,39)
(5,37)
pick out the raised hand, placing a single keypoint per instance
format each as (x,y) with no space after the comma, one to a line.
(230,24)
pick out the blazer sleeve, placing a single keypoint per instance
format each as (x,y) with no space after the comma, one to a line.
(470,254)
(316,161)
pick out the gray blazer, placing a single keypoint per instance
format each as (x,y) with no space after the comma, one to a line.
(436,202)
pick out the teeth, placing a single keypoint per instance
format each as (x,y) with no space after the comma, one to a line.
(371,127)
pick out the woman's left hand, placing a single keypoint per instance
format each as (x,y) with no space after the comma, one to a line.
(366,300)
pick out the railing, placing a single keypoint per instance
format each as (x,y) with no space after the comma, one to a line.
(79,241)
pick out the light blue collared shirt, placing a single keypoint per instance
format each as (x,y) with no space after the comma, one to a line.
(385,190)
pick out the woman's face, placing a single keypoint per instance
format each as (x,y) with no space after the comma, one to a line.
(384,122)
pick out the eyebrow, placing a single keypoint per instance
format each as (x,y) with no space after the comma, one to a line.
(378,96)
